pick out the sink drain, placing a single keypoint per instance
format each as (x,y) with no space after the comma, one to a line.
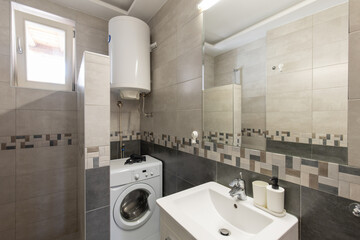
(224,232)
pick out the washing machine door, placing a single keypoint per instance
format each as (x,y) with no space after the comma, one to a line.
(134,206)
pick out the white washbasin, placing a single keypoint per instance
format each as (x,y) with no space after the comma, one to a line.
(205,209)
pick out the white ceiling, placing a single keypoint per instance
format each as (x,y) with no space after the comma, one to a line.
(234,23)
(107,9)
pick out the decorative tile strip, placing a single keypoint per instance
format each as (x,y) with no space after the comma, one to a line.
(327,177)
(222,137)
(115,136)
(325,139)
(37,140)
(98,156)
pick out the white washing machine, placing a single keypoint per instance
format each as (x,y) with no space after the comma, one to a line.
(134,190)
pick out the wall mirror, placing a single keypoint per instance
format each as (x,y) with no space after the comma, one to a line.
(276,76)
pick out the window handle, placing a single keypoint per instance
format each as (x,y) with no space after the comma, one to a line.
(19,48)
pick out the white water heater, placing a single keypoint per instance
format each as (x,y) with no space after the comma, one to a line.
(129,50)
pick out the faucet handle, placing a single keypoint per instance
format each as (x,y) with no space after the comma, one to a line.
(234,183)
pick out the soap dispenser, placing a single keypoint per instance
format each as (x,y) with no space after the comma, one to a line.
(275,196)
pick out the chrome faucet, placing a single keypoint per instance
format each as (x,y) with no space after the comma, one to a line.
(238,188)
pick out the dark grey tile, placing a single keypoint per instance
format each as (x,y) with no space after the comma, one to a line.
(288,148)
(328,189)
(254,157)
(195,170)
(168,156)
(309,162)
(169,183)
(130,147)
(114,150)
(326,217)
(98,224)
(289,161)
(182,184)
(349,170)
(146,148)
(97,187)
(330,154)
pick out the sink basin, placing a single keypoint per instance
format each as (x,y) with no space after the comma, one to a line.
(207,208)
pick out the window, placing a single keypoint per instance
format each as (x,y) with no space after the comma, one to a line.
(42,49)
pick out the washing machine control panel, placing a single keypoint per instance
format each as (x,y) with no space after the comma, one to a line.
(146,173)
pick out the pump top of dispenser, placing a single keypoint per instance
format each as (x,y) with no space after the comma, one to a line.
(274,183)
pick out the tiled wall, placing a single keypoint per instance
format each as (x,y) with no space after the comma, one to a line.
(313,187)
(128,117)
(307,101)
(176,97)
(94,146)
(38,174)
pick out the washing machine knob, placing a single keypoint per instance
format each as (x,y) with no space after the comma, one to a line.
(137,176)
(151,173)
(146,174)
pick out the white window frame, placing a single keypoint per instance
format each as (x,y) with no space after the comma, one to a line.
(22,13)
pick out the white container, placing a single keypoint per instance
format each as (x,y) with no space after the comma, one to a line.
(259,192)
(275,199)
(129,51)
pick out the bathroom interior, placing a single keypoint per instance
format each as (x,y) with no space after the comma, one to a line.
(179,119)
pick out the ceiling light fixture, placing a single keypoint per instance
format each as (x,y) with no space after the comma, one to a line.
(206,4)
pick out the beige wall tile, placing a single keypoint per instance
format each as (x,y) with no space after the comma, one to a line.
(290,28)
(188,121)
(7,189)
(164,53)
(344,189)
(7,216)
(354,7)
(354,133)
(289,82)
(5,41)
(187,10)
(289,121)
(289,43)
(330,122)
(189,65)
(97,84)
(253,120)
(92,38)
(7,96)
(7,123)
(164,123)
(355,191)
(354,70)
(164,99)
(7,163)
(5,13)
(187,35)
(330,76)
(331,31)
(97,125)
(218,121)
(52,228)
(330,54)
(330,99)
(130,121)
(45,182)
(164,76)
(35,99)
(42,208)
(299,101)
(253,104)
(39,122)
(32,160)
(331,14)
(188,95)
(4,68)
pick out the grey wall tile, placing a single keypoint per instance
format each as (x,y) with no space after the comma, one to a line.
(188,121)
(146,148)
(7,189)
(182,184)
(97,187)
(189,65)
(45,182)
(169,183)
(32,160)
(131,147)
(98,224)
(7,163)
(7,96)
(325,216)
(169,158)
(7,123)
(354,9)
(8,234)
(354,58)
(43,207)
(188,95)
(288,148)
(7,216)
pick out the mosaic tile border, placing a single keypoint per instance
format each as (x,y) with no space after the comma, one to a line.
(336,179)
(97,156)
(37,140)
(325,139)
(222,137)
(124,135)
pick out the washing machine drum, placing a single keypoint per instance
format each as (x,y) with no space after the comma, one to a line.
(134,206)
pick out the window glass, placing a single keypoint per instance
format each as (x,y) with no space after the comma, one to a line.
(45,53)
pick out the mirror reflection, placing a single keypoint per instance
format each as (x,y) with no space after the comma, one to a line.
(275,77)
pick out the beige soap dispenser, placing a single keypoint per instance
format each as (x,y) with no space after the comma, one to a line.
(275,196)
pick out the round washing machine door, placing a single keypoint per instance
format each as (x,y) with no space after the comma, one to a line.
(134,206)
